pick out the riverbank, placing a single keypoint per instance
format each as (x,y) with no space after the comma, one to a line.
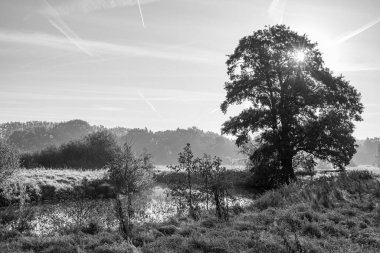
(42,185)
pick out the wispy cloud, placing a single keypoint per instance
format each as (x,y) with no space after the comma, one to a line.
(56,21)
(141,14)
(358,31)
(276,10)
(86,6)
(108,108)
(99,47)
(90,96)
(214,110)
(357,68)
(147,101)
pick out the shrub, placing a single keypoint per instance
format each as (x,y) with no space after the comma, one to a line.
(244,226)
(208,223)
(186,232)
(269,199)
(237,209)
(309,216)
(312,230)
(206,245)
(91,228)
(6,234)
(168,230)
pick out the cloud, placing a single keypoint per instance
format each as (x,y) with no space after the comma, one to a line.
(358,31)
(108,108)
(276,11)
(35,39)
(141,14)
(147,101)
(56,21)
(215,110)
(357,68)
(68,7)
(101,48)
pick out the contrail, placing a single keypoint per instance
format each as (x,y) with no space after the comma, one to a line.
(147,101)
(276,10)
(358,31)
(57,22)
(87,6)
(141,14)
(215,110)
(70,36)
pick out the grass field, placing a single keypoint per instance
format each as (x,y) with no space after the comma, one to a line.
(328,214)
(41,183)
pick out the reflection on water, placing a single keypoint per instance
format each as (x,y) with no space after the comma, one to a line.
(156,206)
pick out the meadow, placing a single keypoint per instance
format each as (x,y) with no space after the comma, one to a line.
(42,184)
(328,214)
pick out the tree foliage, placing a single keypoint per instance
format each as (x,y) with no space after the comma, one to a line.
(94,151)
(36,136)
(296,104)
(130,176)
(198,182)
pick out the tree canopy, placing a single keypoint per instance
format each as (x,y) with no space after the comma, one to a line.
(297,106)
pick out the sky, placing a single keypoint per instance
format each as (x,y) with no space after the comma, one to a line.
(160,64)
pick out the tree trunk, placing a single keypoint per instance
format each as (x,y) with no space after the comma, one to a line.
(190,197)
(124,221)
(287,171)
(218,208)
(207,192)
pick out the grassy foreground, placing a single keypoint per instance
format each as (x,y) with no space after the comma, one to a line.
(329,214)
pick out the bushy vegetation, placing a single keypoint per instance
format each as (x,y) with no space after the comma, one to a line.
(329,214)
(95,151)
(130,176)
(164,146)
(9,161)
(200,180)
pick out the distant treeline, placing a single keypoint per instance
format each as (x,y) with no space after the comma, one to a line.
(47,138)
(164,146)
(367,152)
(36,135)
(92,152)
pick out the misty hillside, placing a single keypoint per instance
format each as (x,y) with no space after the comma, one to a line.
(367,152)
(163,145)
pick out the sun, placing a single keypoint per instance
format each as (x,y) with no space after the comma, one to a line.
(299,56)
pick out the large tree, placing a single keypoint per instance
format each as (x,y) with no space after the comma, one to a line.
(297,106)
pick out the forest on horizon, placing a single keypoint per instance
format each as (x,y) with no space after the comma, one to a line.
(164,146)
